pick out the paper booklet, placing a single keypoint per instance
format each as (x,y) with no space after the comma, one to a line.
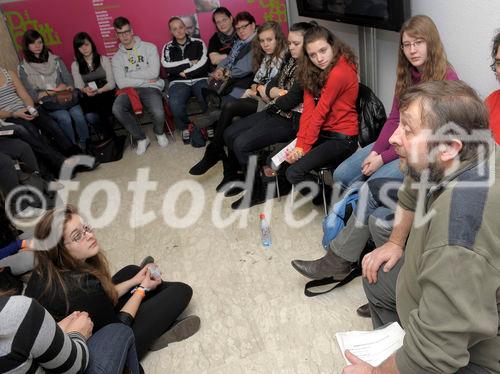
(6,128)
(373,347)
(281,155)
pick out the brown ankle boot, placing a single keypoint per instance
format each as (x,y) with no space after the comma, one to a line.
(330,265)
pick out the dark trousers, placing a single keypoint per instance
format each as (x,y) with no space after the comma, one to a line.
(157,312)
(51,129)
(327,151)
(13,149)
(230,110)
(19,150)
(8,171)
(28,132)
(257,131)
(152,100)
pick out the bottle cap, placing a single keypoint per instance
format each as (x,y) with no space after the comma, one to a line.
(262,216)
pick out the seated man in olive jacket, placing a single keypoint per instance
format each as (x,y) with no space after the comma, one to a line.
(448,288)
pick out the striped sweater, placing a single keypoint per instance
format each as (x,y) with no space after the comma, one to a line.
(32,342)
(9,99)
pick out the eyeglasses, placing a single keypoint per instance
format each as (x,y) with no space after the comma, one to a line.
(222,21)
(123,33)
(80,234)
(242,28)
(416,44)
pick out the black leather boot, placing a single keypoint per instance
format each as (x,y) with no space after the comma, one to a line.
(210,158)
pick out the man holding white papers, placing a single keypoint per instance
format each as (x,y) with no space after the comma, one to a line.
(448,289)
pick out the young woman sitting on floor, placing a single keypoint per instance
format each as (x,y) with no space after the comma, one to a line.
(73,274)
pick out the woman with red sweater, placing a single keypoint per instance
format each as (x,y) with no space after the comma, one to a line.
(328,130)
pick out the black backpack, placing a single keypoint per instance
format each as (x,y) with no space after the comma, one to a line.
(371,115)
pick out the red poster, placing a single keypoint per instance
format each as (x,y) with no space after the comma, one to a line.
(59,20)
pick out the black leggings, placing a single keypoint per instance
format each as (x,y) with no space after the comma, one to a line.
(231,109)
(327,151)
(157,312)
(257,131)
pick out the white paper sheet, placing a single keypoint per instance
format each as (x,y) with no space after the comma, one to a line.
(373,347)
(281,155)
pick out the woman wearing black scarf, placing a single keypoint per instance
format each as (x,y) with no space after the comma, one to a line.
(223,39)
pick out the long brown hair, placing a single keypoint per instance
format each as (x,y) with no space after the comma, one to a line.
(281,44)
(435,66)
(310,76)
(54,262)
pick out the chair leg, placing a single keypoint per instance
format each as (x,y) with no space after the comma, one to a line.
(277,186)
(322,175)
(292,195)
(169,130)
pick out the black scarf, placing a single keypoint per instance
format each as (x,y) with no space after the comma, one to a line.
(225,39)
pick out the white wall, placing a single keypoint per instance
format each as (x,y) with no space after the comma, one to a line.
(466,28)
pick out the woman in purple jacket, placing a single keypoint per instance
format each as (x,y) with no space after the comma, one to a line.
(421,58)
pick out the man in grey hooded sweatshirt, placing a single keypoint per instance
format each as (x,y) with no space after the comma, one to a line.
(136,65)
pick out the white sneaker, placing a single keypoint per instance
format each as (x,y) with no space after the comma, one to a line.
(142,145)
(162,140)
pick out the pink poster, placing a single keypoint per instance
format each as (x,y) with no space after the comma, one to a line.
(59,20)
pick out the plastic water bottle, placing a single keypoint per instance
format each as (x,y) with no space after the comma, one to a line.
(265,231)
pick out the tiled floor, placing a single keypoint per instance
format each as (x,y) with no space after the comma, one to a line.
(255,317)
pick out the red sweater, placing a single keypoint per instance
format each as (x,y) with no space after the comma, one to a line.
(336,108)
(493,104)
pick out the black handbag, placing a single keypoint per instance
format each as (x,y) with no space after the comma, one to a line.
(218,85)
(108,150)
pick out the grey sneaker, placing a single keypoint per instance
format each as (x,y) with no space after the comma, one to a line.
(180,330)
(146,260)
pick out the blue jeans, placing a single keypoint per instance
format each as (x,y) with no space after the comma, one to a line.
(349,171)
(65,119)
(178,96)
(111,349)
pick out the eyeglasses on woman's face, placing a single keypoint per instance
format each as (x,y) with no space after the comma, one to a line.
(406,46)
(77,236)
